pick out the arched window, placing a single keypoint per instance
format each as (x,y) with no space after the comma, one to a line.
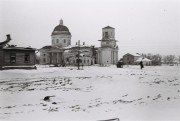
(106,34)
(69,42)
(67,59)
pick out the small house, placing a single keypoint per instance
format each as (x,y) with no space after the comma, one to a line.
(130,59)
(146,61)
(18,57)
(12,57)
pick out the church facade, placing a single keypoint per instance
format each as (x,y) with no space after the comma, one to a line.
(108,52)
(61,52)
(60,38)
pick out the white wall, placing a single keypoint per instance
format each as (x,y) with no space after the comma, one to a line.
(106,56)
(111,33)
(58,40)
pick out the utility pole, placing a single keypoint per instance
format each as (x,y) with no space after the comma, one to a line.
(78,61)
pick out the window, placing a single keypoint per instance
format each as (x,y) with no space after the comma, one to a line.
(44,60)
(67,59)
(64,40)
(12,57)
(27,58)
(69,42)
(84,61)
(57,40)
(106,34)
(44,54)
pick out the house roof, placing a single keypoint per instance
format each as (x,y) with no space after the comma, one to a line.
(47,47)
(143,59)
(76,46)
(18,48)
(134,54)
(108,27)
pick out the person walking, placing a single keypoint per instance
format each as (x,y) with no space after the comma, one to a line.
(141,64)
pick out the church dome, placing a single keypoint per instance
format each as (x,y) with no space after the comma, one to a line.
(61,29)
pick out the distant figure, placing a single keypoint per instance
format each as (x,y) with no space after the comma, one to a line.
(120,64)
(141,64)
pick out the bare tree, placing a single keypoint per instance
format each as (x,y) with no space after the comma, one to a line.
(156,59)
(169,59)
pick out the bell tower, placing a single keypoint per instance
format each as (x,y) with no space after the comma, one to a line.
(108,52)
(108,37)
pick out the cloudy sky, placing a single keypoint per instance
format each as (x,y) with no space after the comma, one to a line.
(143,26)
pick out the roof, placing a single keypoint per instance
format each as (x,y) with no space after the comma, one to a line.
(143,59)
(47,47)
(18,48)
(61,29)
(108,27)
(76,46)
(134,54)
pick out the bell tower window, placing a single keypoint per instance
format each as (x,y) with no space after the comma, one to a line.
(57,40)
(106,34)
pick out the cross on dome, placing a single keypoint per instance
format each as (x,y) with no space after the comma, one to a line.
(61,22)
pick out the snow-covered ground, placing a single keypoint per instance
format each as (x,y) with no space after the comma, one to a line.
(95,93)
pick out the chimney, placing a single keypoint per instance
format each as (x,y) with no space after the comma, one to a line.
(8,37)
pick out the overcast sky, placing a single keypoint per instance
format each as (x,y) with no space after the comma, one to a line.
(143,26)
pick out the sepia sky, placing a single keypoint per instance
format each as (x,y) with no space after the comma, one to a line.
(143,26)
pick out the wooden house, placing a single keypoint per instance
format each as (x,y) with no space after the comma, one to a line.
(13,57)
(18,57)
(130,59)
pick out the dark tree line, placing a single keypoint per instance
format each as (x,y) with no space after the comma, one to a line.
(169,59)
(158,59)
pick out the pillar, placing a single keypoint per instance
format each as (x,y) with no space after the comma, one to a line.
(57,57)
(52,59)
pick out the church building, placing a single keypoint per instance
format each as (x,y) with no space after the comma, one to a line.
(108,52)
(61,52)
(53,54)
